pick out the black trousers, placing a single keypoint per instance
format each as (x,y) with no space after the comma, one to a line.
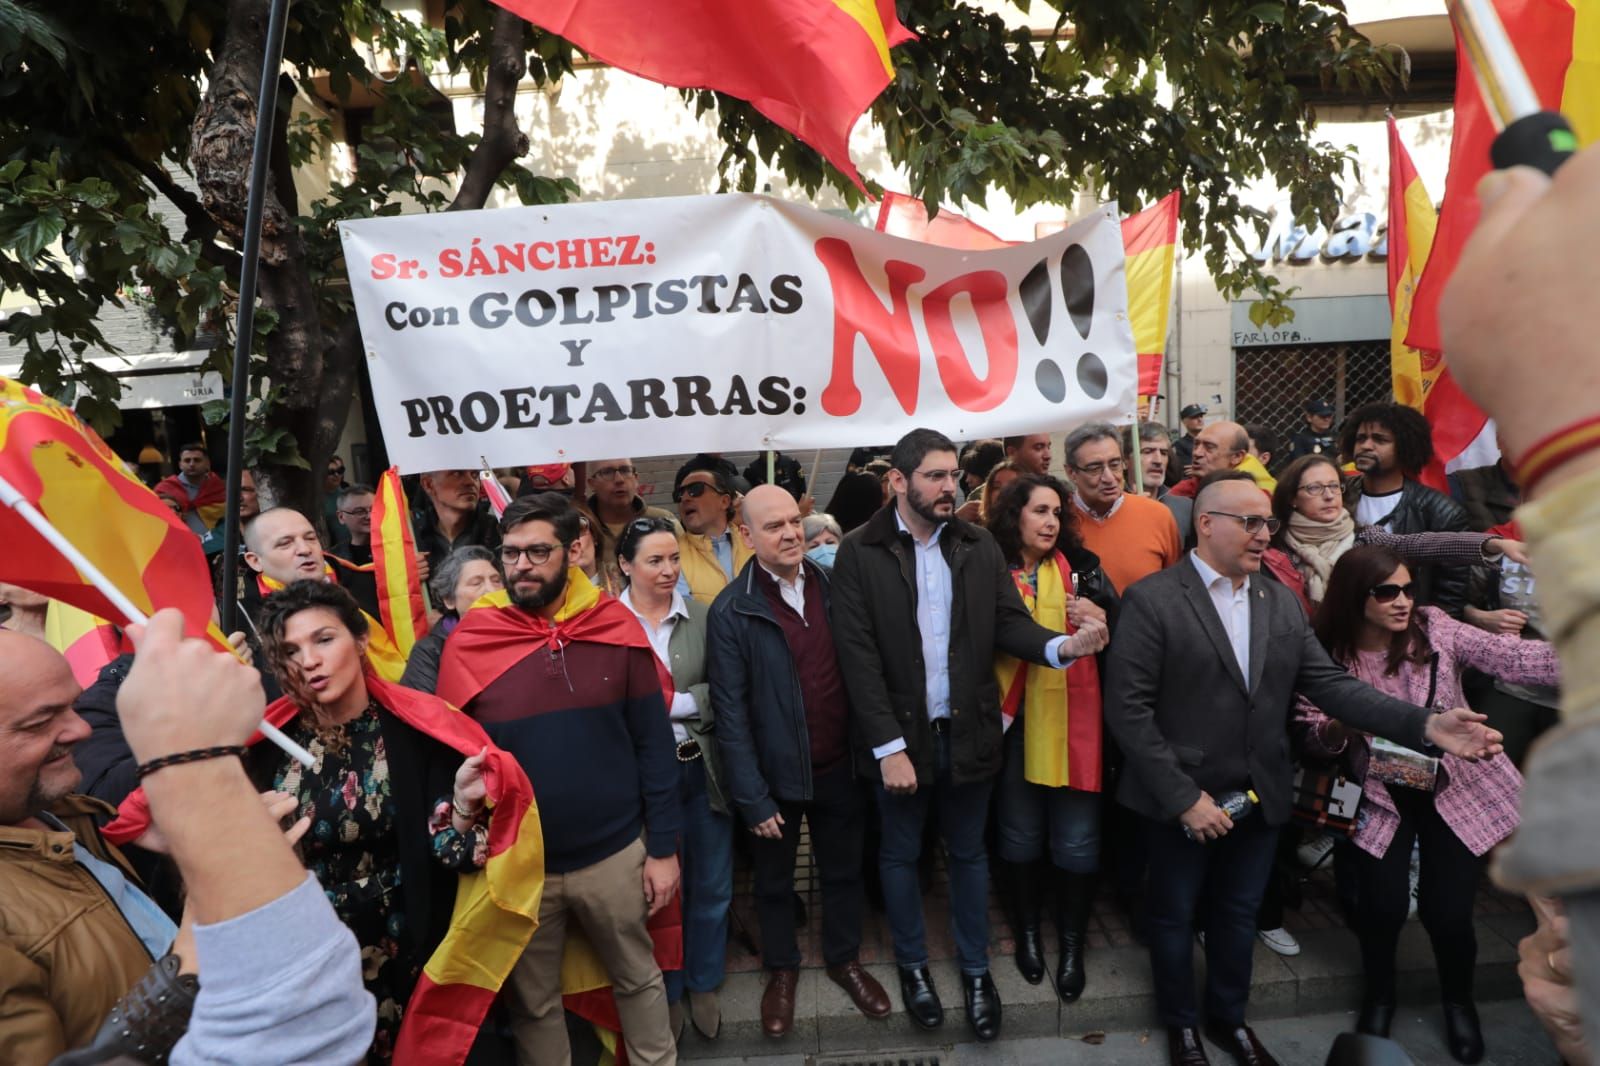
(836,815)
(1446,888)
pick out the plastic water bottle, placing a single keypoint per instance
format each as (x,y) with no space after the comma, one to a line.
(1236,805)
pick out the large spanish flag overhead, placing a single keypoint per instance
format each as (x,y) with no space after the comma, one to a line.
(811,66)
(1149,239)
(1542,32)
(66,471)
(394,563)
(1412,221)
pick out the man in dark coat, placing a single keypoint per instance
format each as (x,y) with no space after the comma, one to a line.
(926,601)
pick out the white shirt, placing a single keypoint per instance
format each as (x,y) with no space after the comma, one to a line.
(1084,508)
(1233,607)
(1374,510)
(683,704)
(793,592)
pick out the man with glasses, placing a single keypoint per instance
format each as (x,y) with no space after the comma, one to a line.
(352,553)
(1134,536)
(615,500)
(565,679)
(451,515)
(710,552)
(927,600)
(1208,658)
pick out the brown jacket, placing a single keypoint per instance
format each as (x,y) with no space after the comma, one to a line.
(66,952)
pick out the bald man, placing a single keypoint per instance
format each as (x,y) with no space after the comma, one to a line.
(775,677)
(1208,659)
(1219,447)
(65,957)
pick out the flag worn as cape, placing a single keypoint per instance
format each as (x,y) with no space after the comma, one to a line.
(811,66)
(492,637)
(496,909)
(65,470)
(210,502)
(1061,727)
(394,562)
(382,655)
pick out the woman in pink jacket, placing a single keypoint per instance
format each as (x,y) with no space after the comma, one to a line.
(1455,810)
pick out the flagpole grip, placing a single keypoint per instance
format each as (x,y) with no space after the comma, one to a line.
(130,611)
(1543,140)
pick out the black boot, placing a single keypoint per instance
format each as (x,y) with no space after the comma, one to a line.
(1376,1017)
(1463,1035)
(1074,900)
(1023,893)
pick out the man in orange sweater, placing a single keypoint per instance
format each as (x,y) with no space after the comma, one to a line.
(1134,536)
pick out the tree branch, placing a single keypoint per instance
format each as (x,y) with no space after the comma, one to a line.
(503,140)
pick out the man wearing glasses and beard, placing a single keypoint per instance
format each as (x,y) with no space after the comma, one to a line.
(563,677)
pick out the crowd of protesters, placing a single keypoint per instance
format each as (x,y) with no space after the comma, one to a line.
(1065,680)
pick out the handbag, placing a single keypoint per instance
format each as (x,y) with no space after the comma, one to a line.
(1395,764)
(1324,797)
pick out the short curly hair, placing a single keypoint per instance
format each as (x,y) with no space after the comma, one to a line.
(1413,437)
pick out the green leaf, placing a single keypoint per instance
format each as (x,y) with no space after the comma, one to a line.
(37,233)
(1268,12)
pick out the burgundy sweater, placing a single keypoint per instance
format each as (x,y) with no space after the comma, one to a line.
(821,686)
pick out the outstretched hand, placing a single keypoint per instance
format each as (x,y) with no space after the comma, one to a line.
(1462,733)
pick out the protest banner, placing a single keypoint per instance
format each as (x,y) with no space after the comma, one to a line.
(723,323)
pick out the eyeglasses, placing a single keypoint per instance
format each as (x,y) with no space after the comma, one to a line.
(1115,466)
(1327,489)
(1388,593)
(336,470)
(1253,523)
(940,477)
(606,473)
(694,490)
(356,512)
(538,554)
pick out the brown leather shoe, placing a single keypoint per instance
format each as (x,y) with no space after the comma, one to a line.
(777,1002)
(1240,1042)
(865,991)
(1184,1047)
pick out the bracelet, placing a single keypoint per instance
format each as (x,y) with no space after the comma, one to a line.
(1552,451)
(197,755)
(467,816)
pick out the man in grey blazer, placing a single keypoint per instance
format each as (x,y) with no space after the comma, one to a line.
(1200,684)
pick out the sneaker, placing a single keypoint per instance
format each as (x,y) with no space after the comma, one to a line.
(1279,940)
(1313,853)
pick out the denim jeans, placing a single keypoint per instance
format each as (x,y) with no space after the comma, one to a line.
(1028,813)
(706,856)
(963,813)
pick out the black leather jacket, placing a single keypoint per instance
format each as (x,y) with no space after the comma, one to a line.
(1425,510)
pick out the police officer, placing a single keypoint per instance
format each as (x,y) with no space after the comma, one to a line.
(1194,420)
(1317,436)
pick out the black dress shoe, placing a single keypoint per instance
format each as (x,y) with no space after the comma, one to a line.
(983,1005)
(1184,1047)
(1462,1033)
(921,998)
(1030,954)
(1240,1042)
(1375,1018)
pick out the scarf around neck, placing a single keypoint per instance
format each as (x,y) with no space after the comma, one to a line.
(1317,546)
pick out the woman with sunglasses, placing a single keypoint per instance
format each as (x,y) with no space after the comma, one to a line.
(647,552)
(1050,780)
(1315,529)
(1455,810)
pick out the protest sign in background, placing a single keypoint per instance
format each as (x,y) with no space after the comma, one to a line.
(723,323)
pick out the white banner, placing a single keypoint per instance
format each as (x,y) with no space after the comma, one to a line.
(723,323)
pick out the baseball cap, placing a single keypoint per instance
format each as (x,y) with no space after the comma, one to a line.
(1315,406)
(1193,410)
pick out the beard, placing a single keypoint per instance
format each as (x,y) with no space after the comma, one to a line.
(42,798)
(545,594)
(1369,464)
(925,505)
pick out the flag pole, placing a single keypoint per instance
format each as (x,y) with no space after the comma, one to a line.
(244,331)
(93,574)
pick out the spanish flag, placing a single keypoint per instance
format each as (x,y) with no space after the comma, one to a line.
(811,66)
(496,907)
(1412,221)
(394,563)
(86,492)
(1543,33)
(86,642)
(1150,242)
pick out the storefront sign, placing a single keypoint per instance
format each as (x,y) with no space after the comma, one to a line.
(1317,320)
(150,391)
(723,323)
(1354,237)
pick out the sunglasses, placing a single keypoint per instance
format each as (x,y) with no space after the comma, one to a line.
(1388,593)
(694,490)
